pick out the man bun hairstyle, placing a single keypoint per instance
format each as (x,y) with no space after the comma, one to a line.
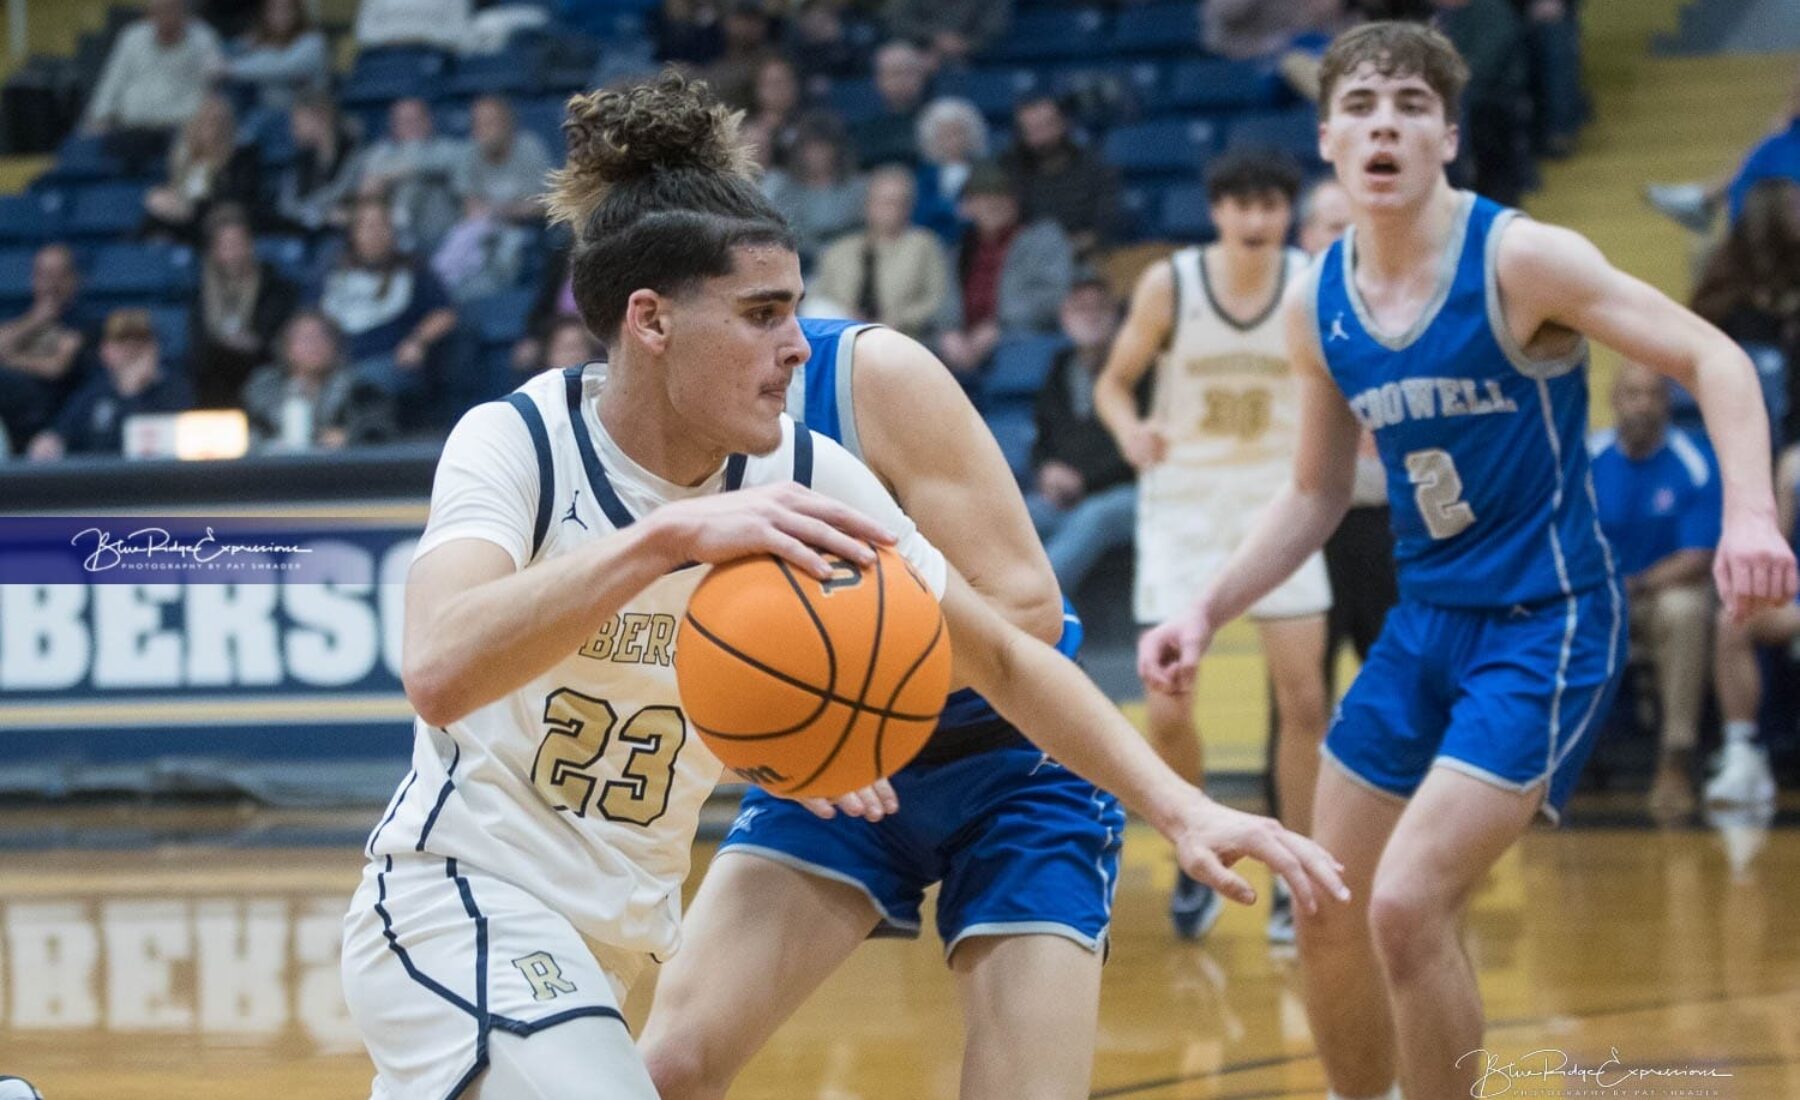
(658,190)
(1396,49)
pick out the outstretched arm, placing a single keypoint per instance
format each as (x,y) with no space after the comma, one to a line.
(1553,276)
(1294,525)
(1061,710)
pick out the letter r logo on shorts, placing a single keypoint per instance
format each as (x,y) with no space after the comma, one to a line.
(545,976)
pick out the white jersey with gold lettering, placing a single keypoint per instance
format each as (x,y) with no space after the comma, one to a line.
(567,809)
(1224,397)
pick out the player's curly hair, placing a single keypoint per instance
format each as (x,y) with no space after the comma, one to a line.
(658,190)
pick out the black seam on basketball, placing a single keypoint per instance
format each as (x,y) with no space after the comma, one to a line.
(818,624)
(858,708)
(918,663)
(777,674)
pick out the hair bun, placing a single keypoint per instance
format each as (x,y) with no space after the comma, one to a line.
(619,135)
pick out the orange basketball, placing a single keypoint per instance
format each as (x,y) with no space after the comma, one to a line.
(813,688)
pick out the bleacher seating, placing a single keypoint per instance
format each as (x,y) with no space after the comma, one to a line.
(1294,131)
(104,210)
(15,276)
(1161,28)
(1018,369)
(1213,84)
(30,218)
(1167,146)
(1053,34)
(992,91)
(126,273)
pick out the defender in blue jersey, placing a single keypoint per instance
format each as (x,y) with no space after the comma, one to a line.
(1025,851)
(1454,330)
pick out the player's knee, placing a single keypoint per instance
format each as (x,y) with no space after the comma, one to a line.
(1406,923)
(684,1071)
(1302,706)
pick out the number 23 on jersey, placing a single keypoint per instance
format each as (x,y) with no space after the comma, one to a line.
(582,730)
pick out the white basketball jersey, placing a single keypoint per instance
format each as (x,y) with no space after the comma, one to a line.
(584,787)
(1224,391)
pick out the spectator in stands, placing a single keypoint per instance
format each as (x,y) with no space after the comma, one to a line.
(1246,30)
(393,311)
(568,344)
(1659,501)
(310,191)
(1553,49)
(38,348)
(1059,178)
(207,167)
(1777,156)
(820,194)
(133,381)
(308,398)
(240,308)
(733,74)
(1497,147)
(949,32)
(1743,777)
(818,33)
(503,168)
(413,171)
(1085,500)
(690,31)
(284,57)
(153,82)
(773,122)
(1006,277)
(553,303)
(953,137)
(892,273)
(439,23)
(1324,214)
(901,72)
(1750,287)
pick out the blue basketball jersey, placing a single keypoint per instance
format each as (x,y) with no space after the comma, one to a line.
(1485,447)
(820,395)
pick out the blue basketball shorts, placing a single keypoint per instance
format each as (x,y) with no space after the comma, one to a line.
(1513,696)
(1021,845)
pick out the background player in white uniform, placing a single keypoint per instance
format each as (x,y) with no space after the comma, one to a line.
(555,791)
(1216,448)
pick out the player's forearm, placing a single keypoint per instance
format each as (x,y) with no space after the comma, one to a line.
(1061,711)
(1293,528)
(493,638)
(1737,424)
(1114,404)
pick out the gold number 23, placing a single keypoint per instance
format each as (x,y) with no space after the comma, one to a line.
(581,731)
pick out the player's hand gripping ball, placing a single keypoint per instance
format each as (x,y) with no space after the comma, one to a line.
(808,687)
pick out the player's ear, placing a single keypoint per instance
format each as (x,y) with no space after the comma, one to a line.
(647,319)
(1452,141)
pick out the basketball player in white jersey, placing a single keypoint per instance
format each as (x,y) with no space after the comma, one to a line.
(534,857)
(1217,446)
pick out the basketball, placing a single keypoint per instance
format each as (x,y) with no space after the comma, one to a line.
(808,687)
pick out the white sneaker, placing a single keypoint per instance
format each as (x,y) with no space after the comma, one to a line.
(1743,779)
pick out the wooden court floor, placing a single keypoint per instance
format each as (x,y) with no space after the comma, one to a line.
(184,970)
